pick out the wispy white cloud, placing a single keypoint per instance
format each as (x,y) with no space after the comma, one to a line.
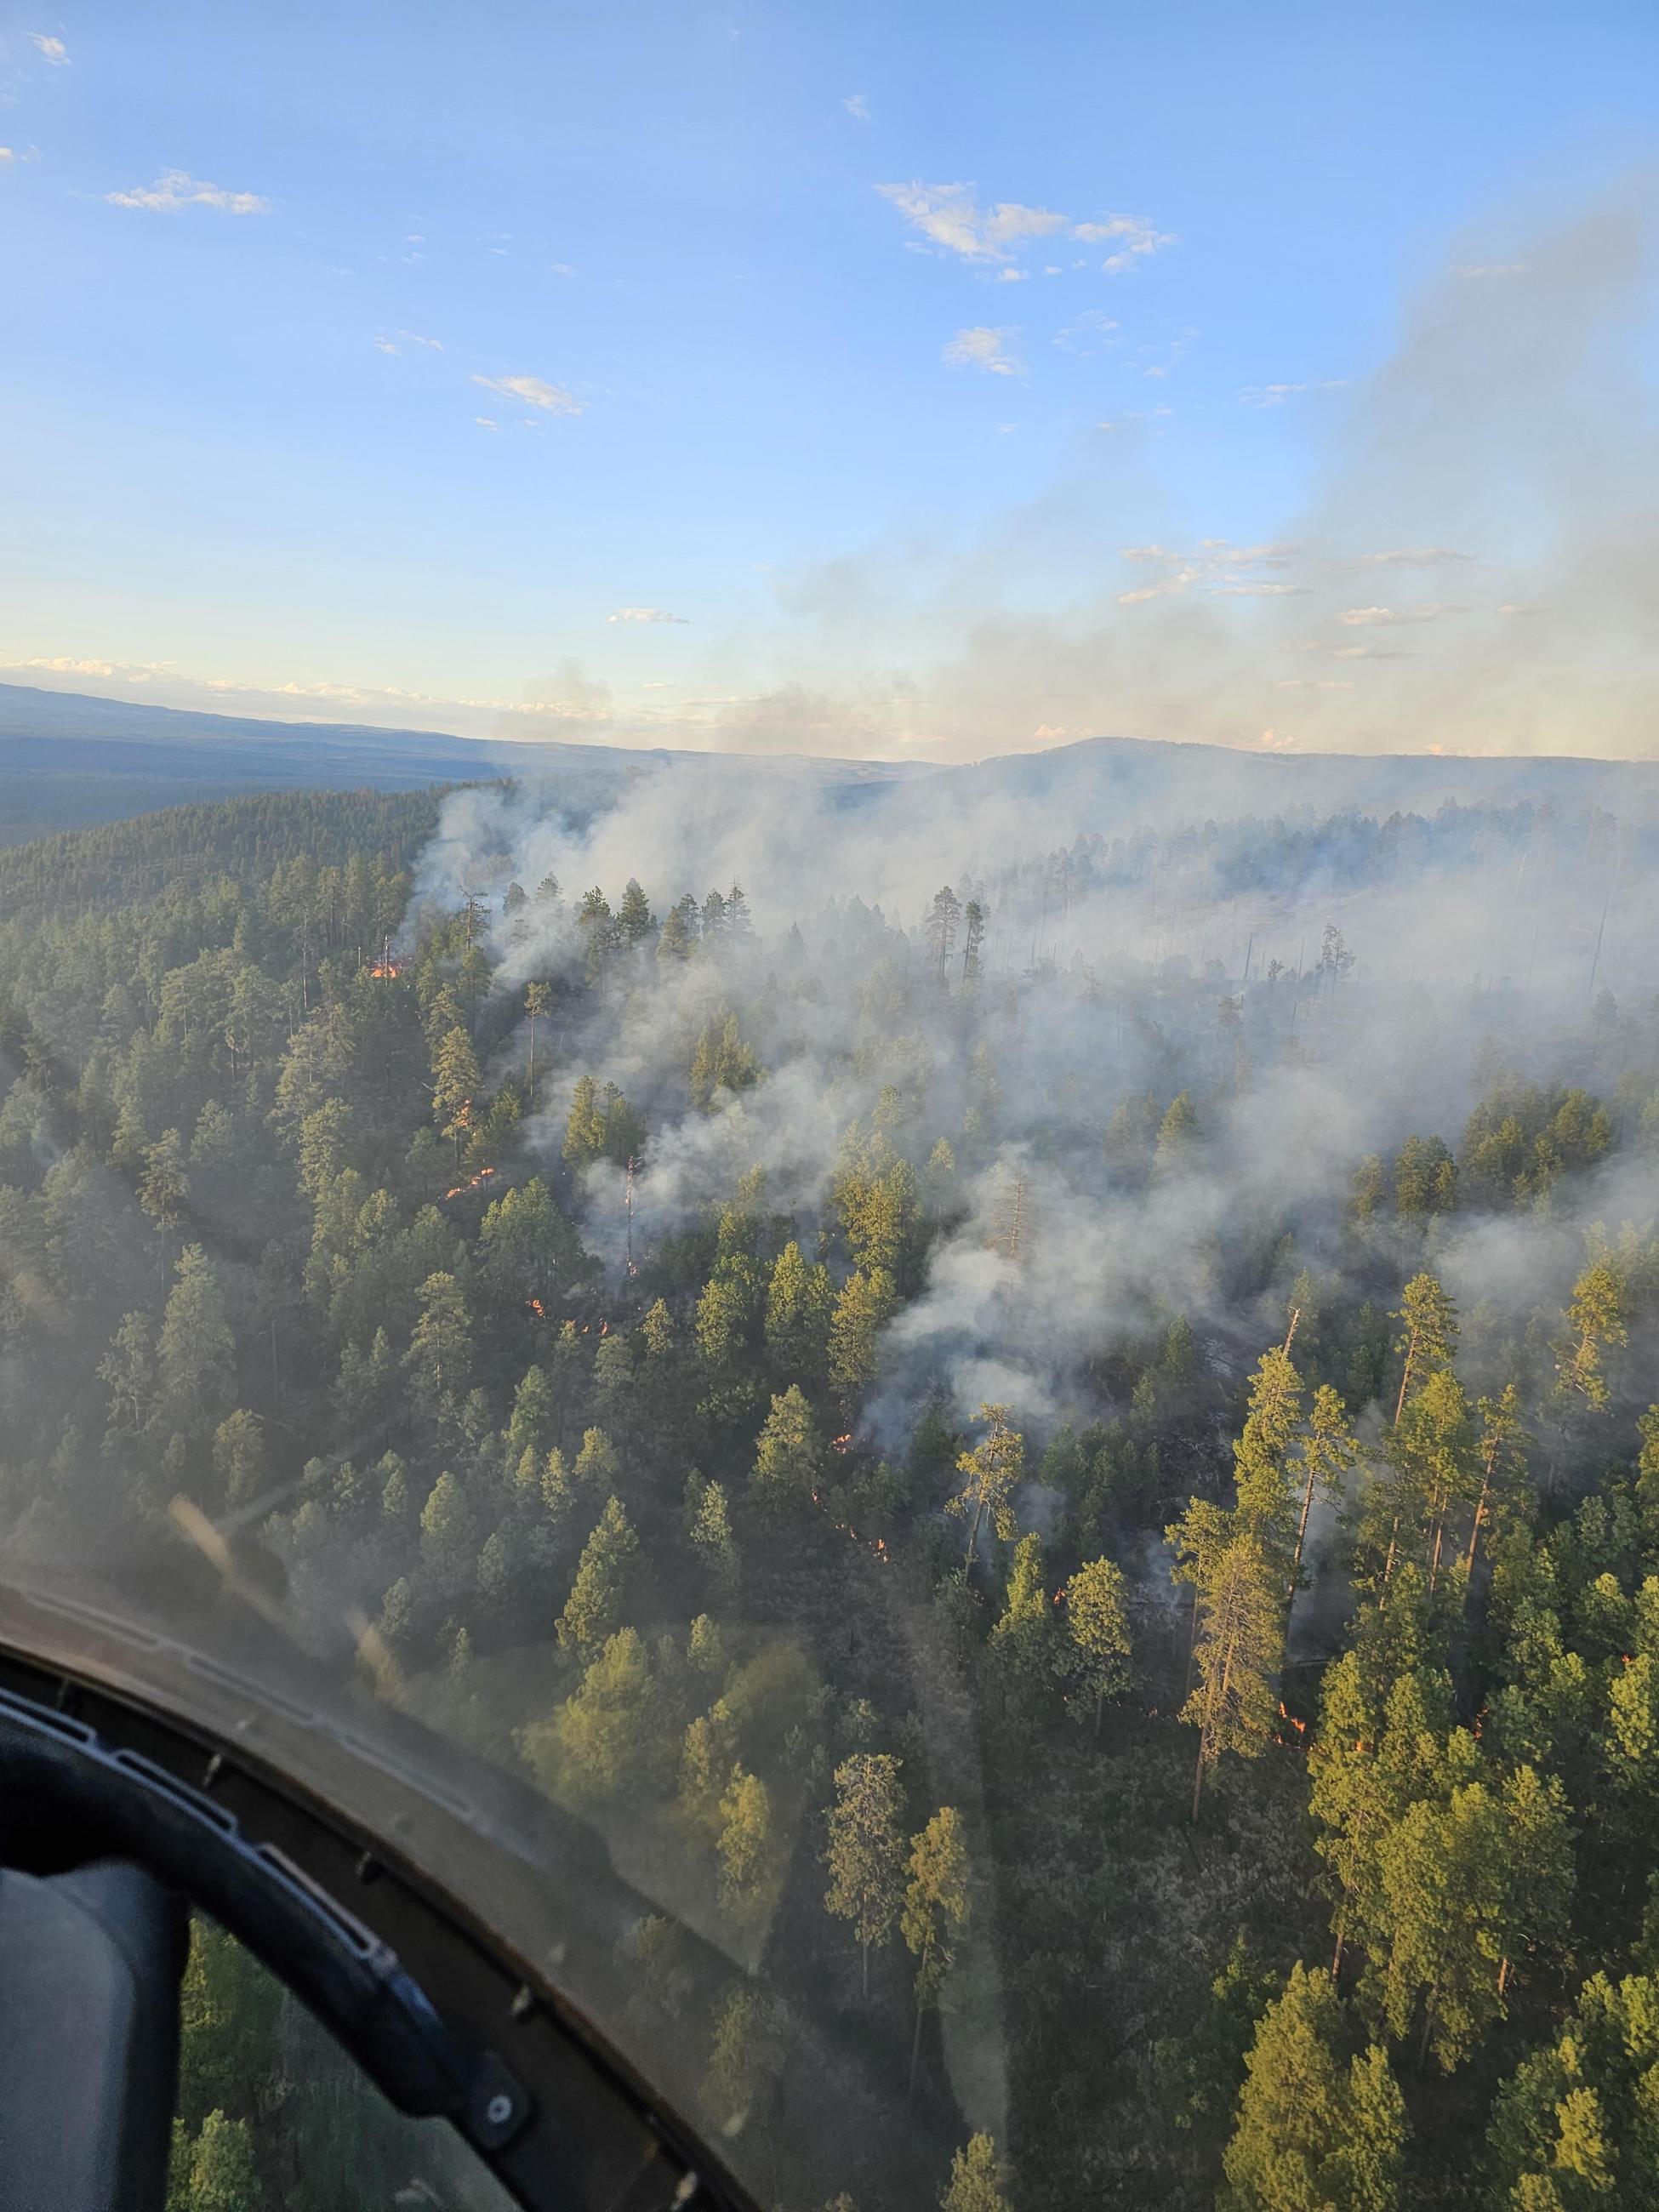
(177,190)
(1087,333)
(414,337)
(950,216)
(983,347)
(49,49)
(1219,568)
(1173,353)
(535,391)
(1275,395)
(385,345)
(1371,618)
(1132,415)
(65,664)
(1132,237)
(645,614)
(1177,581)
(6,156)
(486,423)
(857,105)
(1411,557)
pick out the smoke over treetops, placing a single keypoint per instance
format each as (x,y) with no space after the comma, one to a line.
(1315,985)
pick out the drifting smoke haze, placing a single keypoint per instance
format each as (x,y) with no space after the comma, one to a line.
(1469,569)
(1473,573)
(1123,897)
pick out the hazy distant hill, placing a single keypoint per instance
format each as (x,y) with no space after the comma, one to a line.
(67,761)
(1101,774)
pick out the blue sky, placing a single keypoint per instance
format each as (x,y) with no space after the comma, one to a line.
(956,380)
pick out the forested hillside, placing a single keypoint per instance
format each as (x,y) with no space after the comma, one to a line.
(1081,1501)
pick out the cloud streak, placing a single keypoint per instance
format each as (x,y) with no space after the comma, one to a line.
(534,392)
(176,190)
(983,347)
(950,217)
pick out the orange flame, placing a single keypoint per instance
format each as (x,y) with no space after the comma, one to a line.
(876,1546)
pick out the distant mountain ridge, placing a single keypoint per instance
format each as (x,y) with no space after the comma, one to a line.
(67,759)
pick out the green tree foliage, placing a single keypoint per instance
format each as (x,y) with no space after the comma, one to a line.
(594,1606)
(601,1125)
(743,2055)
(786,1454)
(598,1470)
(977,2180)
(440,1356)
(1022,1639)
(1428,1337)
(935,1908)
(1097,1628)
(1239,1645)
(635,923)
(1469,1887)
(1522,1138)
(865,1304)
(195,1353)
(940,929)
(1177,1134)
(1312,2135)
(128,1371)
(538,1001)
(239,1457)
(866,1854)
(712,1536)
(527,1248)
(1325,1453)
(214,2173)
(164,1185)
(455,1081)
(602,1738)
(1425,1179)
(722,1061)
(880,1205)
(1262,1478)
(991,1472)
(745,1845)
(449,1535)
(799,1303)
(1577,2124)
(1596,1317)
